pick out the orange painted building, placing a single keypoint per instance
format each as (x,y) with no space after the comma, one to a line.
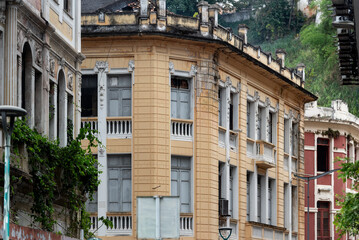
(186,108)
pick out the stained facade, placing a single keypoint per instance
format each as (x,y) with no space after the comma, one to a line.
(186,108)
(40,57)
(330,132)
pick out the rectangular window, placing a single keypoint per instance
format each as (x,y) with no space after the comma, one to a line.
(67,6)
(119,95)
(260,121)
(250,119)
(221,107)
(181,183)
(248,195)
(89,96)
(270,200)
(323,221)
(322,155)
(180,98)
(231,116)
(294,209)
(286,205)
(286,136)
(259,199)
(232,184)
(119,183)
(294,137)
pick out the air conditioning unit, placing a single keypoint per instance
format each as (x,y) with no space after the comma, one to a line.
(224,207)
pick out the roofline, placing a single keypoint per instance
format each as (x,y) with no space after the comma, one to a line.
(198,39)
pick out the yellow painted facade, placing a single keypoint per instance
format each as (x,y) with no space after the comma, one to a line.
(151,145)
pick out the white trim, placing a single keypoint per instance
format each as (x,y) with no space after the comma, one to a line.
(309,148)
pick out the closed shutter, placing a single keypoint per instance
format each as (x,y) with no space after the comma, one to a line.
(126,102)
(174,103)
(270,202)
(248,196)
(119,96)
(126,190)
(181,181)
(113,190)
(92,205)
(184,104)
(259,209)
(185,191)
(113,102)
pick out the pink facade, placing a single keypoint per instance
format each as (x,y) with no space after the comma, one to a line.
(326,139)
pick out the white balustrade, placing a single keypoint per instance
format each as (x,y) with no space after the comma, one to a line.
(94,223)
(186,226)
(181,130)
(121,128)
(122,225)
(90,121)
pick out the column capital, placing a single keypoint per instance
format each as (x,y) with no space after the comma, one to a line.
(101,66)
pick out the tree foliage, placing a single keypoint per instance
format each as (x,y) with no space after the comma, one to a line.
(64,174)
(347,219)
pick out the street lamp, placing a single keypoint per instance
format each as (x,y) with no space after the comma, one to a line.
(8,112)
(222,232)
(308,179)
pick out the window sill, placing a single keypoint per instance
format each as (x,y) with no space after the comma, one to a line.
(69,14)
(182,120)
(252,223)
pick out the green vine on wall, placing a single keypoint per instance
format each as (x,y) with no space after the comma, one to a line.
(63,174)
(331,133)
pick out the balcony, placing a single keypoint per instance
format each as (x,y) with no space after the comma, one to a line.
(265,154)
(119,127)
(182,129)
(186,225)
(256,230)
(233,136)
(92,121)
(122,224)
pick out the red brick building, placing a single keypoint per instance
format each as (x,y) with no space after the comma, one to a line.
(329,133)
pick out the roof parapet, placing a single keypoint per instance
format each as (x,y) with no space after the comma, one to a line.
(243,29)
(280,53)
(205,26)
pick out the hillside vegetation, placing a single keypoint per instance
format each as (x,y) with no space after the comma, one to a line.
(280,25)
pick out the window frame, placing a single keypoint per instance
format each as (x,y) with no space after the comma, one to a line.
(190,170)
(120,186)
(190,75)
(320,224)
(112,74)
(327,161)
(96,97)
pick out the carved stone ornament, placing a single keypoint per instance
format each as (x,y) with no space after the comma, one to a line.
(171,67)
(193,71)
(52,66)
(70,79)
(2,11)
(38,56)
(101,150)
(79,83)
(101,67)
(228,82)
(267,102)
(62,62)
(19,38)
(28,34)
(131,66)
(256,96)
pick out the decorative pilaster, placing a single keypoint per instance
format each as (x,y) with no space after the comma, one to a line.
(10,68)
(101,69)
(226,170)
(19,81)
